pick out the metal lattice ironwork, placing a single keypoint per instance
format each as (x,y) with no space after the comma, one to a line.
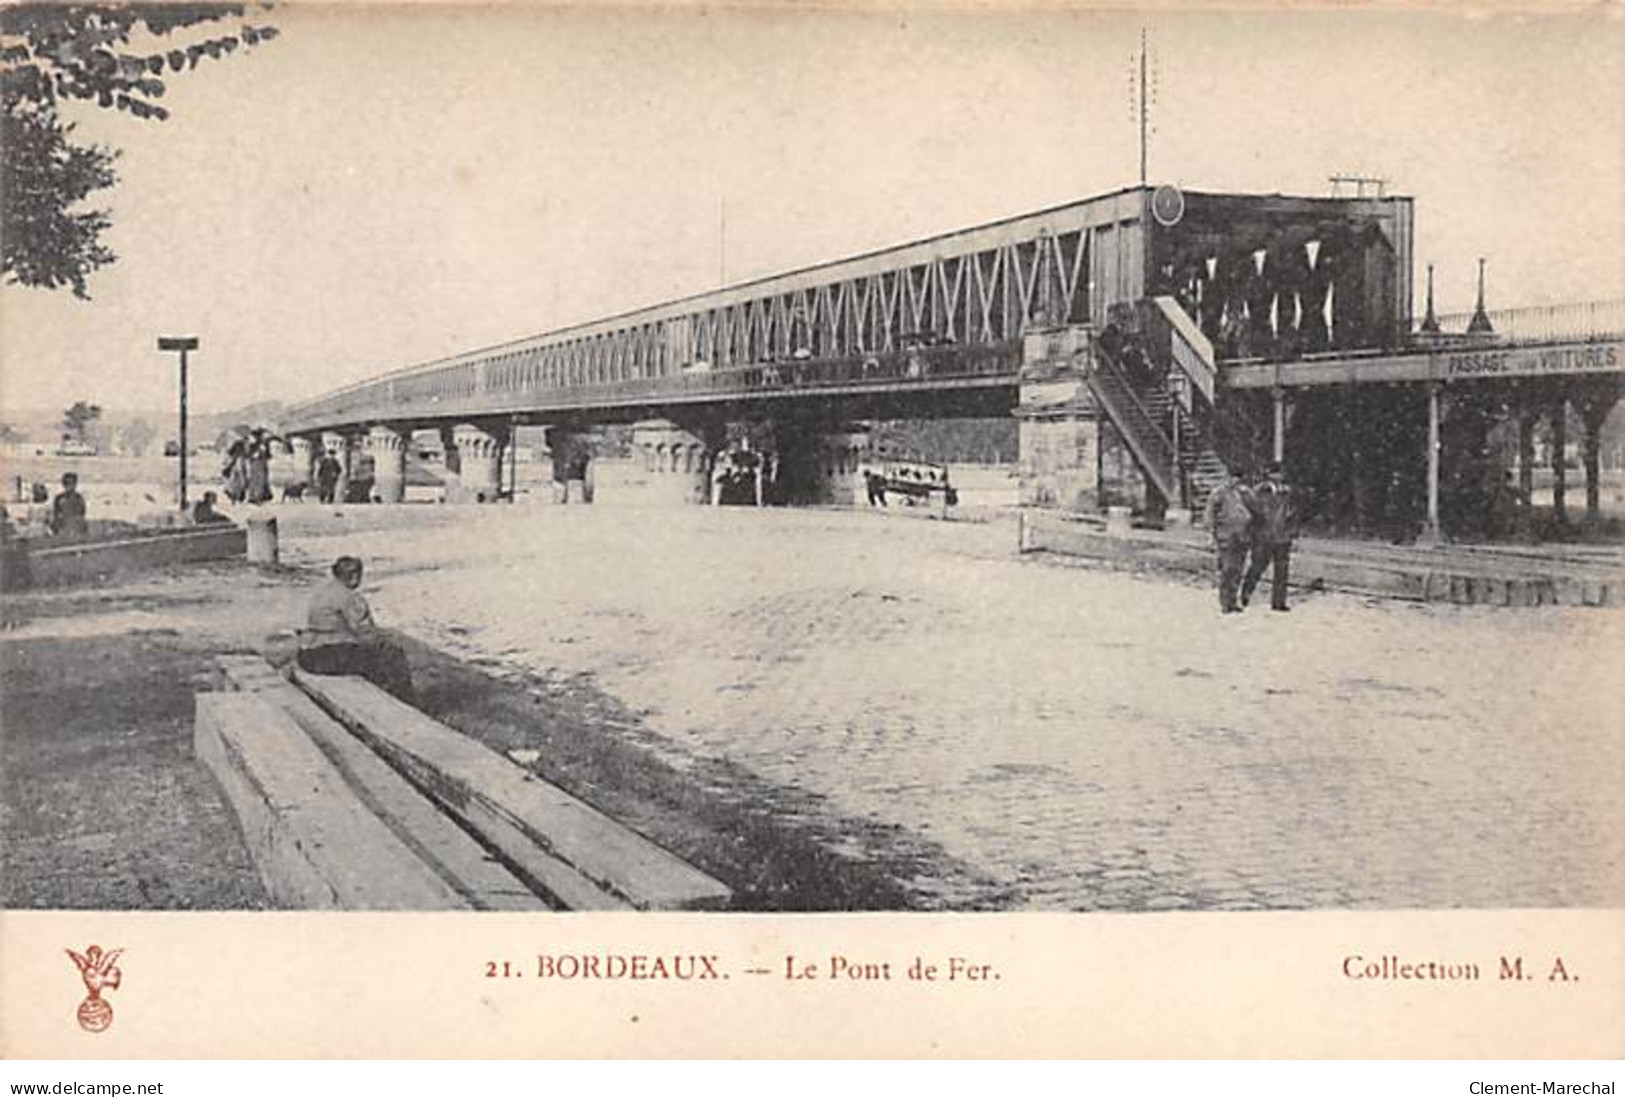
(981,288)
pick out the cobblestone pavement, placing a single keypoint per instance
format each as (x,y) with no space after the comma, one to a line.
(1083,739)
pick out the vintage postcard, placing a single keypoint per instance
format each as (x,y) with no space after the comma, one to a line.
(848,530)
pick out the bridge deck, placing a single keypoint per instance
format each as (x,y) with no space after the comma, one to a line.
(1484,360)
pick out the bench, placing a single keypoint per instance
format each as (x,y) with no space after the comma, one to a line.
(316,847)
(480,880)
(579,854)
(434,787)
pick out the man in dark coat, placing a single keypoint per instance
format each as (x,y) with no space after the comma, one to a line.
(328,471)
(68,509)
(1272,538)
(1230,516)
(204,514)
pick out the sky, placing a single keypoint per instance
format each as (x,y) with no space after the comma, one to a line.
(388,185)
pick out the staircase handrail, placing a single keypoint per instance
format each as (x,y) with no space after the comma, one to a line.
(1192,351)
(1151,446)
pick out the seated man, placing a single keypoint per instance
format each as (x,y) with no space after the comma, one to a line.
(341,637)
(203,512)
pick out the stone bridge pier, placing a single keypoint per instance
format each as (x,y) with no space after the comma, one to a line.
(474,455)
(675,461)
(387,445)
(838,475)
(304,448)
(570,454)
(802,461)
(1059,423)
(818,463)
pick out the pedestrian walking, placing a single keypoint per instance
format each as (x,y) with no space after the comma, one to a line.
(328,470)
(235,472)
(1230,515)
(257,453)
(1273,534)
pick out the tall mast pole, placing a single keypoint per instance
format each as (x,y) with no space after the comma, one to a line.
(1144,111)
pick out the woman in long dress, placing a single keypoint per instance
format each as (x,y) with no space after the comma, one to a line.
(259,467)
(236,473)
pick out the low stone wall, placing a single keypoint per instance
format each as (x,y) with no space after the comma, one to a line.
(1404,574)
(51,563)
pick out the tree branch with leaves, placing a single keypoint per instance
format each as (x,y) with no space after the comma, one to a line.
(112,56)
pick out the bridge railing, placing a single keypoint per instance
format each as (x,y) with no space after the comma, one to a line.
(1573,320)
(923,366)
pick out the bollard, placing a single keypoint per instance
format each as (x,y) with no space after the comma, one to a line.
(1118,521)
(262,540)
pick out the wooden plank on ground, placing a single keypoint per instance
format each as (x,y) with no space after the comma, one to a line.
(507,803)
(471,869)
(315,845)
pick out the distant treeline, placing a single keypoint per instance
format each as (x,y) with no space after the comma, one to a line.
(960,441)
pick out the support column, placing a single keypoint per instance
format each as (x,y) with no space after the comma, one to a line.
(674,463)
(1560,476)
(338,444)
(1278,440)
(387,447)
(1526,420)
(479,454)
(304,449)
(842,456)
(1430,532)
(1594,408)
(451,466)
(1059,427)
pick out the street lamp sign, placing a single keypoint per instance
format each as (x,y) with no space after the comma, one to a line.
(182,343)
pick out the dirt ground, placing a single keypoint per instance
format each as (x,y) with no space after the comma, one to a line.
(104,806)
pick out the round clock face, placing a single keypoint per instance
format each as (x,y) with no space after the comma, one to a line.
(1167,205)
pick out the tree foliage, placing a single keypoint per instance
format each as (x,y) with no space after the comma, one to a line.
(46,243)
(78,420)
(111,56)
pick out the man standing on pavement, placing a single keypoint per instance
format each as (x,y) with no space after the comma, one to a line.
(328,471)
(1272,538)
(68,509)
(1230,516)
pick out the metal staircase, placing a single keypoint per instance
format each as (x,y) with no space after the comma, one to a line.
(1152,448)
(1182,432)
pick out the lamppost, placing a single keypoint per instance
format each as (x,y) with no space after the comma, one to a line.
(182,343)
